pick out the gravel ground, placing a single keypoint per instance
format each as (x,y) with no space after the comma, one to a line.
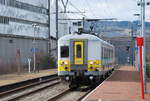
(14,77)
(44,95)
(27,90)
(73,96)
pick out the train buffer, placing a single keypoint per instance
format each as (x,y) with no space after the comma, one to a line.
(122,85)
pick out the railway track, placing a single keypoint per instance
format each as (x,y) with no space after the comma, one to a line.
(60,95)
(64,96)
(25,93)
(73,95)
(23,84)
(25,90)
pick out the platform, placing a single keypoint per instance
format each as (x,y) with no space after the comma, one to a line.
(13,78)
(122,85)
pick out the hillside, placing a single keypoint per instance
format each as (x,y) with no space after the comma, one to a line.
(116,28)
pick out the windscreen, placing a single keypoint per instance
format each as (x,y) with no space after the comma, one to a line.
(64,51)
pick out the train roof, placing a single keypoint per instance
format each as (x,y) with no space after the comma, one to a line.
(82,36)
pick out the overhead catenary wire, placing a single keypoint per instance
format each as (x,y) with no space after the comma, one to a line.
(104,10)
(106,1)
(77,9)
(90,8)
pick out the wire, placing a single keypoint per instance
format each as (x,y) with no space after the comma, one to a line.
(90,8)
(76,9)
(105,11)
(108,7)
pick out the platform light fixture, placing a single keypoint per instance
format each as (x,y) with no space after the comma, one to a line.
(35,26)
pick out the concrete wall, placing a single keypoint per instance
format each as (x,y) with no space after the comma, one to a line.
(9,59)
(9,47)
(40,3)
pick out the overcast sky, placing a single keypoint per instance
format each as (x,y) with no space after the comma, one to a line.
(120,9)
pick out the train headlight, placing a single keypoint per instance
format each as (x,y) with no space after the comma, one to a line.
(91,62)
(66,63)
(67,78)
(91,77)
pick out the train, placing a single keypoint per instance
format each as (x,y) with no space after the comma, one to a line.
(84,58)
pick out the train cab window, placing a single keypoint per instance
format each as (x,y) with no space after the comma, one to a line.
(79,54)
(64,51)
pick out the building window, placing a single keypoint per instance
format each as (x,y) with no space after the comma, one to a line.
(64,51)
(25,6)
(10,2)
(10,41)
(4,20)
(3,2)
(79,23)
(75,24)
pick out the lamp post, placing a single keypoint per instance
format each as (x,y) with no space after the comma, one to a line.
(34,57)
(136,50)
(142,4)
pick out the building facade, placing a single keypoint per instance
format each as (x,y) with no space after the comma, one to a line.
(17,32)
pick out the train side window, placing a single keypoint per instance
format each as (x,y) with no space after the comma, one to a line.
(79,51)
(64,51)
(109,54)
(102,53)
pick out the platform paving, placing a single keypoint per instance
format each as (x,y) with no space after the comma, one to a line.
(122,85)
(13,78)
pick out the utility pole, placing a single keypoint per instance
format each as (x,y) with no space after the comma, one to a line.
(136,47)
(57,27)
(57,19)
(142,35)
(83,23)
(142,3)
(132,41)
(49,29)
(35,26)
(34,58)
(65,11)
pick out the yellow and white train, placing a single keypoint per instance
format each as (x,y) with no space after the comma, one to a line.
(84,58)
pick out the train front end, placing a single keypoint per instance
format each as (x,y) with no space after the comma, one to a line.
(74,62)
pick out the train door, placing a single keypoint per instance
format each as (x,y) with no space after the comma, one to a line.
(78,52)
